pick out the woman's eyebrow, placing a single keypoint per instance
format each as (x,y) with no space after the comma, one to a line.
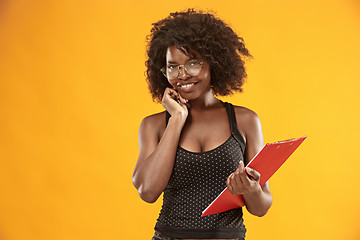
(189,60)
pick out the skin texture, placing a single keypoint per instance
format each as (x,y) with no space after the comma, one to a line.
(193,113)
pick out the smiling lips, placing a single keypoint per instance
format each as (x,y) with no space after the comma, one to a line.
(186,87)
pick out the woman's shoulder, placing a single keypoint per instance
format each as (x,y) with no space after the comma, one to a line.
(245,113)
(155,116)
(154,122)
(247,120)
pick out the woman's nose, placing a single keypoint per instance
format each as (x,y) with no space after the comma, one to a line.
(182,73)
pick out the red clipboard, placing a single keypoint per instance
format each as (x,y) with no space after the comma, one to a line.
(267,161)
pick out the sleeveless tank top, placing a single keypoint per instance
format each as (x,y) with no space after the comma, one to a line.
(197,179)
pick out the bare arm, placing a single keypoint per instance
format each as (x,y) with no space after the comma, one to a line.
(245,181)
(156,158)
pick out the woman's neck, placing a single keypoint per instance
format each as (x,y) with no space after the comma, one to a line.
(203,103)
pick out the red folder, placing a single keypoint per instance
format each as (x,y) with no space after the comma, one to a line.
(267,161)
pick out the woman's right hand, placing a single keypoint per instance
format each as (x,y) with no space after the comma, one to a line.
(174,103)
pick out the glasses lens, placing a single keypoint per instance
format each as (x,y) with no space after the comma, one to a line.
(172,72)
(193,68)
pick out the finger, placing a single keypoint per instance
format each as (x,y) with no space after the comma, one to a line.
(253,173)
(234,182)
(177,97)
(238,172)
(228,184)
(228,181)
(241,166)
(183,100)
(172,92)
(245,179)
(167,94)
(237,179)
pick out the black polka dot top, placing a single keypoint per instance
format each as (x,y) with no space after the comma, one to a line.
(197,179)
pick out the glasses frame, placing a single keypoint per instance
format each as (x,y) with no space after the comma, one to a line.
(163,70)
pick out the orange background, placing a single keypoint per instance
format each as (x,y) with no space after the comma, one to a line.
(73,93)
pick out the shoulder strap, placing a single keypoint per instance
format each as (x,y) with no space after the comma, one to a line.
(233,125)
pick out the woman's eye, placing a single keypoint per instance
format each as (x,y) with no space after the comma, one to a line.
(193,63)
(172,67)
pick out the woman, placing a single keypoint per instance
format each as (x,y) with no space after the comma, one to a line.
(199,145)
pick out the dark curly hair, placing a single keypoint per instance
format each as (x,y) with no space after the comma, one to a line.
(213,39)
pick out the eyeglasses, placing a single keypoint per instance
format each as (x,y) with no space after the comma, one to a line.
(172,71)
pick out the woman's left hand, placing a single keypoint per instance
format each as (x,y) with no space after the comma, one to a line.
(244,180)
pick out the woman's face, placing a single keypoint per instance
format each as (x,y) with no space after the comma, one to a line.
(189,87)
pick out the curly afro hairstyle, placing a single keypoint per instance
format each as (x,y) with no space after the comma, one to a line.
(213,39)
